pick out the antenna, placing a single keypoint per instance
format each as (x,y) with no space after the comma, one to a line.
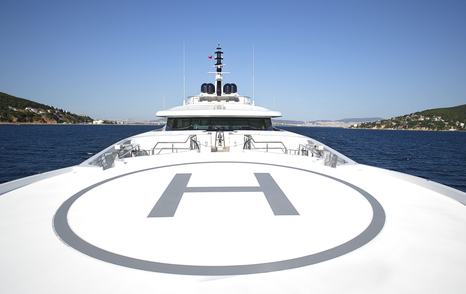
(184,70)
(253,71)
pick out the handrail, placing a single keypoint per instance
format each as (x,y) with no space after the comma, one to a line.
(249,139)
(191,138)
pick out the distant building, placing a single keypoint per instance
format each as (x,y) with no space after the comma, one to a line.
(97,122)
(31,109)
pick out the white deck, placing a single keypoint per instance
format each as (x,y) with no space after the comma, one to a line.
(418,248)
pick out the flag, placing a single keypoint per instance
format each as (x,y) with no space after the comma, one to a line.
(210,56)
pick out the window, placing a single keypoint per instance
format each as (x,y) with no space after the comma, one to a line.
(219,123)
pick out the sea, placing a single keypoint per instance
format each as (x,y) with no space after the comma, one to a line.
(439,156)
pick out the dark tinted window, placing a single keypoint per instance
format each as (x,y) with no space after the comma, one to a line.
(218,123)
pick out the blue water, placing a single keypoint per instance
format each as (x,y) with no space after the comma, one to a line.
(440,156)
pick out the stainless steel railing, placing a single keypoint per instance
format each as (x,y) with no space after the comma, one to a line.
(330,157)
(193,145)
(250,144)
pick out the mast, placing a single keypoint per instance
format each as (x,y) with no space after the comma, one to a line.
(218,74)
(217,90)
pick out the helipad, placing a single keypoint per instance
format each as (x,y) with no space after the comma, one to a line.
(219,218)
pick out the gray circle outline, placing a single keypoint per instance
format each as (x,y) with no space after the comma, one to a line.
(66,234)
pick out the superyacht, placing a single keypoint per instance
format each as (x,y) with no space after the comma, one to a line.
(221,201)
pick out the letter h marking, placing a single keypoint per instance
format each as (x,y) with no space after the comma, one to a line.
(168,203)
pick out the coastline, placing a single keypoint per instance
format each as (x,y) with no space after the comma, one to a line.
(411,130)
(74,124)
(149,124)
(372,129)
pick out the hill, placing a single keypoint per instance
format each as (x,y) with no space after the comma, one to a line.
(19,110)
(450,113)
(438,119)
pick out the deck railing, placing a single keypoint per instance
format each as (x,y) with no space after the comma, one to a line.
(330,157)
(174,145)
(132,148)
(250,144)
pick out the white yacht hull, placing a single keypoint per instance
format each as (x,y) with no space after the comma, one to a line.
(222,241)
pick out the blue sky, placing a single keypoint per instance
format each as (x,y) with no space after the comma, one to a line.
(314,59)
